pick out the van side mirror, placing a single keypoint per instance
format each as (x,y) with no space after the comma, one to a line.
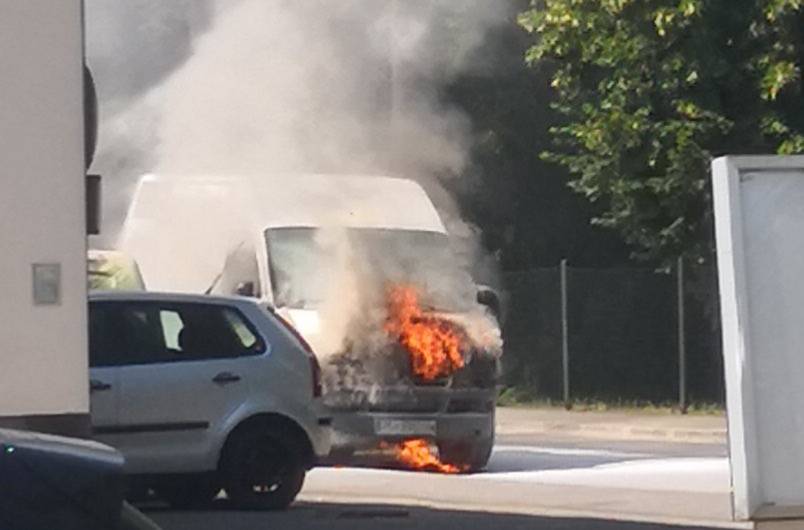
(489,298)
(246,289)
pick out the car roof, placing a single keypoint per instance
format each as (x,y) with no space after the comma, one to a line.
(152,296)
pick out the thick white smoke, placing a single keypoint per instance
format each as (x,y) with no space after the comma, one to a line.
(132,46)
(257,87)
(261,86)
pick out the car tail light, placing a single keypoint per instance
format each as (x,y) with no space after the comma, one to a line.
(315,367)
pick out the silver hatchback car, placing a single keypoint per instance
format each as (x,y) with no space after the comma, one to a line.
(203,393)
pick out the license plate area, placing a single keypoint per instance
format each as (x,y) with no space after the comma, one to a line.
(402,427)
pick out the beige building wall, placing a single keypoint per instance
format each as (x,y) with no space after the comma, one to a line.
(43,343)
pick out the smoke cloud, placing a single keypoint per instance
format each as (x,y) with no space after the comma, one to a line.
(259,87)
(132,46)
(266,86)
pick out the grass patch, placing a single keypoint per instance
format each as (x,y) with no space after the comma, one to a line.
(521,397)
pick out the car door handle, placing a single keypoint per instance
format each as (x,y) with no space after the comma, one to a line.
(98,386)
(224,378)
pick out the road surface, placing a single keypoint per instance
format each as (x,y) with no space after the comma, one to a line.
(305,516)
(533,481)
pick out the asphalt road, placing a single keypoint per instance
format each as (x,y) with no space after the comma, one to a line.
(532,482)
(314,516)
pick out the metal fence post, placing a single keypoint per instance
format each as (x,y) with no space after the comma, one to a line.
(682,346)
(565,336)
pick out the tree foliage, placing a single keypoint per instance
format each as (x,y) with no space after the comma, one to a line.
(650,90)
(527,215)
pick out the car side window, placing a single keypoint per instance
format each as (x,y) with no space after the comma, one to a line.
(142,333)
(172,325)
(124,334)
(100,354)
(208,331)
(135,333)
(249,341)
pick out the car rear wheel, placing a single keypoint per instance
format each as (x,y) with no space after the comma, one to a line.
(261,471)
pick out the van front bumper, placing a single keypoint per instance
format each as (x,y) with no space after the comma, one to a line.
(359,434)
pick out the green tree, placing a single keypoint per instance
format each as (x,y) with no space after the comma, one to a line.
(527,215)
(650,90)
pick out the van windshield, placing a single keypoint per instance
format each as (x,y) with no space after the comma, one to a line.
(306,264)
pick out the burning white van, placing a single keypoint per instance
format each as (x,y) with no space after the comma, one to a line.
(363,268)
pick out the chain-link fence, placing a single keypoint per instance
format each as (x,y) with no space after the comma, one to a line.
(614,335)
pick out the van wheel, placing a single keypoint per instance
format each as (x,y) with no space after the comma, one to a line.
(189,492)
(261,471)
(470,457)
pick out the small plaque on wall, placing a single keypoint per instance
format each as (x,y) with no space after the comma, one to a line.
(46,283)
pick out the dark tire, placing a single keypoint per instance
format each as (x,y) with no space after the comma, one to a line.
(261,471)
(190,492)
(470,457)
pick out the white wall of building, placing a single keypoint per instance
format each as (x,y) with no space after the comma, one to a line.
(43,348)
(759,212)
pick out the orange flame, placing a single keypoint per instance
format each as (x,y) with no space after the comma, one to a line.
(433,343)
(416,454)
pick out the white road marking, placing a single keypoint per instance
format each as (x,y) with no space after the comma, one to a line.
(704,475)
(559,451)
(574,467)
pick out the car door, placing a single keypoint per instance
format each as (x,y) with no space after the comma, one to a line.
(187,372)
(103,384)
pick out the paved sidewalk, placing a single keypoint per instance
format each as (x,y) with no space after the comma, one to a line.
(613,425)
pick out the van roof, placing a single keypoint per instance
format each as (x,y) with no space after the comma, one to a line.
(283,200)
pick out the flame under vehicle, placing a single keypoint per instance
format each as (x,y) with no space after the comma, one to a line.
(363,268)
